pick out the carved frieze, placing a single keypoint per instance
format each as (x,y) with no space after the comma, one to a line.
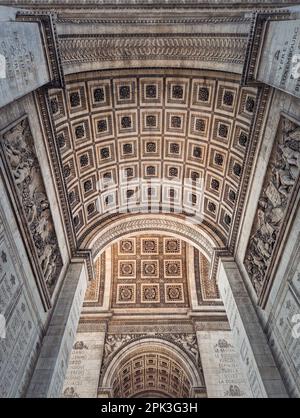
(228,48)
(28,186)
(188,342)
(279,184)
(114,342)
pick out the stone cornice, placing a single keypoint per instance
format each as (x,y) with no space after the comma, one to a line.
(151,4)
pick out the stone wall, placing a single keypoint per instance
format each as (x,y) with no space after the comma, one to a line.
(84,366)
(283,316)
(282,302)
(20,301)
(25,61)
(222,369)
(249,339)
(20,306)
(50,371)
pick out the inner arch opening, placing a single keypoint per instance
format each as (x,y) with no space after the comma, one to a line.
(152,367)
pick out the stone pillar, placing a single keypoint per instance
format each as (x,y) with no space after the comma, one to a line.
(275,51)
(222,369)
(85,362)
(50,371)
(23,62)
(250,340)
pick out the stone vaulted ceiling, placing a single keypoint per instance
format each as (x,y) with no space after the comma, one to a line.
(152,271)
(158,126)
(151,371)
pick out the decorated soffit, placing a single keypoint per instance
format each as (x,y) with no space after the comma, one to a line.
(129,138)
(151,371)
(152,272)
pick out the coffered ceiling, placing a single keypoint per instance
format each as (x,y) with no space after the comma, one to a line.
(118,132)
(151,371)
(152,272)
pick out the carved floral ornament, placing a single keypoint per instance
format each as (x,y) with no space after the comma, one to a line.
(32,201)
(279,184)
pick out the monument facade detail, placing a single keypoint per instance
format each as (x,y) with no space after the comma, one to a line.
(149,199)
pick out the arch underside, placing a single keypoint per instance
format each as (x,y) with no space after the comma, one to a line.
(150,155)
(149,145)
(150,366)
(173,142)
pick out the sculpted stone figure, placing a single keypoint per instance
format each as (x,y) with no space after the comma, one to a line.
(188,342)
(24,166)
(282,173)
(70,393)
(114,342)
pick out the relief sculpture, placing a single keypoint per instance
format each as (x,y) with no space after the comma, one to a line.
(19,151)
(187,342)
(281,177)
(114,343)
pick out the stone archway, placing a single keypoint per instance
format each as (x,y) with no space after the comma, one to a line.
(134,224)
(151,366)
(119,104)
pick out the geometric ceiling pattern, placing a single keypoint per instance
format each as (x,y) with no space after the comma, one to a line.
(151,272)
(135,139)
(151,372)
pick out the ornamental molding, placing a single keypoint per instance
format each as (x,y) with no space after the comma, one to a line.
(229,48)
(166,327)
(41,98)
(88,234)
(154,4)
(264,98)
(153,20)
(137,225)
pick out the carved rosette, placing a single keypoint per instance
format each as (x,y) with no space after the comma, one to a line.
(280,180)
(32,202)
